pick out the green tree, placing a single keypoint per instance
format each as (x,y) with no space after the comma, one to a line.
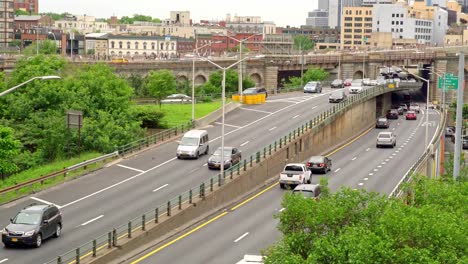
(9,148)
(20,12)
(138,83)
(303,43)
(161,84)
(46,47)
(364,227)
(315,74)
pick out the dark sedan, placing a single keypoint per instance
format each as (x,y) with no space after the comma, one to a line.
(382,123)
(232,156)
(392,114)
(319,163)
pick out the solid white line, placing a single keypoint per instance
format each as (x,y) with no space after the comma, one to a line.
(157,189)
(218,123)
(366,179)
(92,220)
(271,129)
(241,237)
(117,184)
(337,170)
(367,149)
(354,158)
(130,168)
(3,260)
(255,110)
(314,107)
(245,143)
(361,184)
(282,209)
(45,202)
(296,116)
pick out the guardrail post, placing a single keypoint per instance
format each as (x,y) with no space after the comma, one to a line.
(190,195)
(275,145)
(269,150)
(109,240)
(143,222)
(231,172)
(180,202)
(114,237)
(156,215)
(94,247)
(251,160)
(219,179)
(202,191)
(168,208)
(310,124)
(281,143)
(258,157)
(129,231)
(238,168)
(290,136)
(77,255)
(264,152)
(245,165)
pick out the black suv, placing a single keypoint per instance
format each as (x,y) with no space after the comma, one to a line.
(32,225)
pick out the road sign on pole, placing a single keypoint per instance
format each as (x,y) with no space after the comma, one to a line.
(449,80)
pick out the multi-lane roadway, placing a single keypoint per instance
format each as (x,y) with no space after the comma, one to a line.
(92,205)
(249,228)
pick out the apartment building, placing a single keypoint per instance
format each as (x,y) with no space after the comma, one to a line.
(249,24)
(31,6)
(83,24)
(7,18)
(356,27)
(141,46)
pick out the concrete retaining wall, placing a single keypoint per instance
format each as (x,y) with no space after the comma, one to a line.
(330,134)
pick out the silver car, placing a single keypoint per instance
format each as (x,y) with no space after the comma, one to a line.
(386,139)
(313,87)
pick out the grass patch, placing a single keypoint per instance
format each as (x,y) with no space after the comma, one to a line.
(35,173)
(176,114)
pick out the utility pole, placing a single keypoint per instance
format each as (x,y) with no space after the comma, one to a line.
(302,64)
(458,125)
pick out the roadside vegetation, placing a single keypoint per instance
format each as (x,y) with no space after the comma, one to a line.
(427,226)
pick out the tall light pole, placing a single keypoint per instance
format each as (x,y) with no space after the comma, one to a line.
(427,108)
(223,95)
(459,119)
(240,59)
(52,77)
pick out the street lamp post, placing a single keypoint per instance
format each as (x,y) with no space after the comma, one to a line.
(28,81)
(240,59)
(223,95)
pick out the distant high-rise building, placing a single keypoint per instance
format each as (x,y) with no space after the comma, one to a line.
(27,5)
(317,18)
(335,10)
(7,19)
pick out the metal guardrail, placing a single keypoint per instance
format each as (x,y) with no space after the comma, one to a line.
(398,190)
(111,238)
(36,184)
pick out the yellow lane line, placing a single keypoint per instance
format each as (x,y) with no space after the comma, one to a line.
(253,197)
(179,238)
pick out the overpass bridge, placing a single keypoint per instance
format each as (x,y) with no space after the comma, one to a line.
(270,70)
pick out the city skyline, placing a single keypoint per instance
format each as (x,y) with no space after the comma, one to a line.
(295,16)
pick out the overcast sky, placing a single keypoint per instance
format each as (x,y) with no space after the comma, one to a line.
(290,12)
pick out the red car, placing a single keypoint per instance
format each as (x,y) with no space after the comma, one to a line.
(347,82)
(411,115)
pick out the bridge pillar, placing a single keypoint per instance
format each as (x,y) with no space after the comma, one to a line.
(440,66)
(373,70)
(271,78)
(347,70)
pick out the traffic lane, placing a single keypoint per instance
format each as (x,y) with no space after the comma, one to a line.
(405,155)
(230,253)
(229,237)
(353,171)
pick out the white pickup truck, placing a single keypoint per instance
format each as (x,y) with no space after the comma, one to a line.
(294,174)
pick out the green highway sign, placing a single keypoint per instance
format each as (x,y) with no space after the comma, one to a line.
(449,80)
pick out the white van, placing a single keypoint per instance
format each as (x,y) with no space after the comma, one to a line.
(193,144)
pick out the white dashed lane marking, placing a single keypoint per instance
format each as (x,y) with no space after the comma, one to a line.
(271,129)
(241,237)
(92,220)
(354,158)
(337,170)
(296,116)
(159,188)
(245,143)
(130,168)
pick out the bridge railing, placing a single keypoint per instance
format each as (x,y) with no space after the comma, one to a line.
(112,238)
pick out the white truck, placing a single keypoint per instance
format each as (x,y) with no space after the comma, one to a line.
(294,174)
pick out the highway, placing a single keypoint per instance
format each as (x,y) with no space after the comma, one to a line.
(92,205)
(248,229)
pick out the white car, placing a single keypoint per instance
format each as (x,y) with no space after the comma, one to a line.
(177,99)
(386,139)
(356,86)
(294,174)
(415,108)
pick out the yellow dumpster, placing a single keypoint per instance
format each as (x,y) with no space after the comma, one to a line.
(236,97)
(249,99)
(262,98)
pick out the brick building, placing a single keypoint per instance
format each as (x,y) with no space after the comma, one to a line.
(31,6)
